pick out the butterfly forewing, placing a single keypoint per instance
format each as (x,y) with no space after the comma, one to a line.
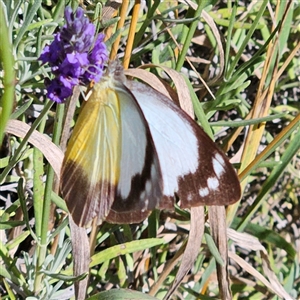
(191,164)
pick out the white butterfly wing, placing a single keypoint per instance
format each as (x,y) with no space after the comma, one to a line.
(191,164)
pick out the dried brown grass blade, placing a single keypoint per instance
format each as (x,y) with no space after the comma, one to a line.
(217,219)
(192,247)
(68,118)
(276,285)
(81,257)
(109,9)
(51,152)
(149,78)
(244,240)
(182,90)
(276,289)
(249,242)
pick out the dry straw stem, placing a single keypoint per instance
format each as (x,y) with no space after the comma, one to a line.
(266,152)
(132,29)
(261,104)
(123,12)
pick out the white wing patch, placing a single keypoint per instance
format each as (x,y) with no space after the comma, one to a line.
(213,183)
(218,165)
(174,138)
(203,192)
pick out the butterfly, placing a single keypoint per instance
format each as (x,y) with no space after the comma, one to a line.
(132,149)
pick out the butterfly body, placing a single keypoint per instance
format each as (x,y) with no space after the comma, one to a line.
(132,149)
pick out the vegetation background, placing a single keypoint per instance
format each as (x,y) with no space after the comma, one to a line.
(241,63)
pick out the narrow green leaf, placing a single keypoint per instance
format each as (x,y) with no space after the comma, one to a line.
(243,123)
(63,277)
(17,240)
(10,224)
(38,189)
(213,249)
(20,111)
(121,294)
(122,249)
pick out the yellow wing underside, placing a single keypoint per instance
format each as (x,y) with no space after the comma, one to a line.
(96,139)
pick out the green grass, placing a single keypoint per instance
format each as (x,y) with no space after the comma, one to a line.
(240,61)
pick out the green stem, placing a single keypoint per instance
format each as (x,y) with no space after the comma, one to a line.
(38,184)
(42,251)
(7,61)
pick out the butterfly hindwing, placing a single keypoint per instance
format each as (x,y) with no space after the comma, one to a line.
(140,186)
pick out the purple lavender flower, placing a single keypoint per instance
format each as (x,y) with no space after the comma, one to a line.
(75,56)
(57,91)
(97,58)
